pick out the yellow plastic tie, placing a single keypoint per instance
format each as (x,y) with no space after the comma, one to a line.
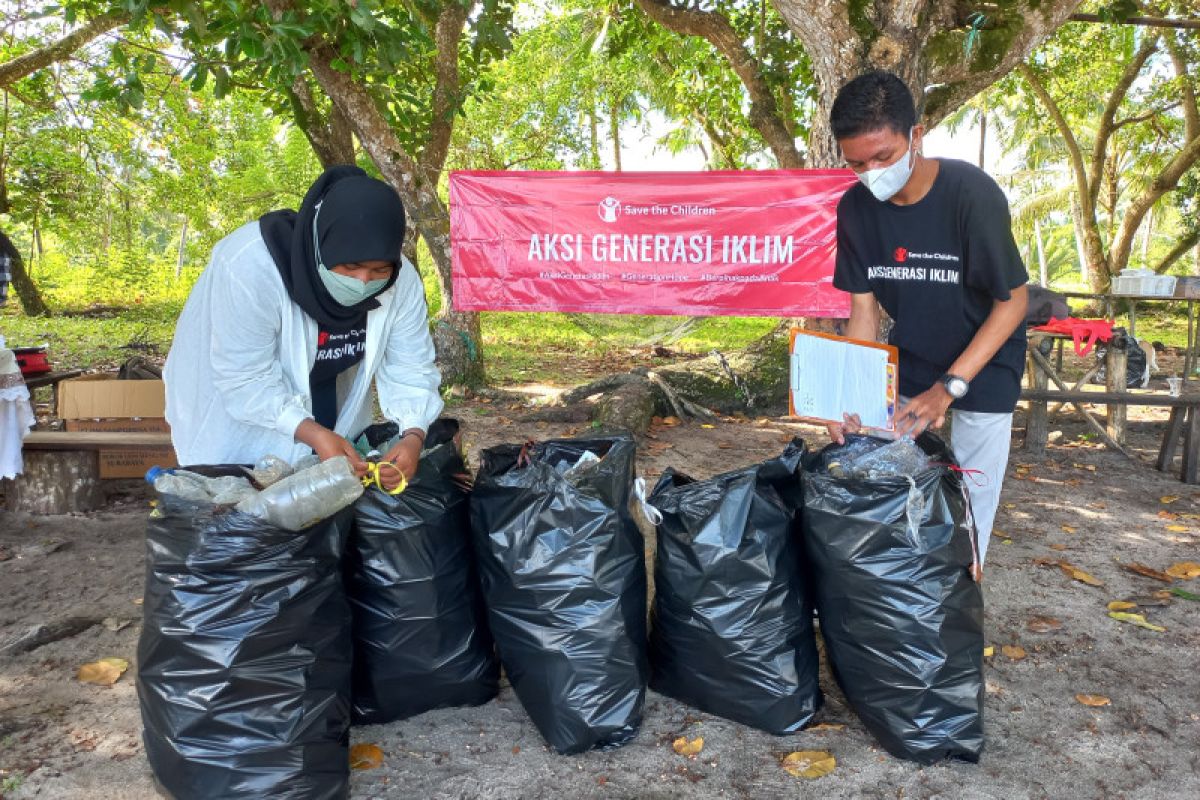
(373,476)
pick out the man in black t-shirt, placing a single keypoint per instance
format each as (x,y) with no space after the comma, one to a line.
(929,240)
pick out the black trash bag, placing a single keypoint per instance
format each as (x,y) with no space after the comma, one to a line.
(563,567)
(420,633)
(1137,366)
(244,657)
(731,627)
(901,615)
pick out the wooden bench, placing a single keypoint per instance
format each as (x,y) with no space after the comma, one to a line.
(1184,420)
(62,470)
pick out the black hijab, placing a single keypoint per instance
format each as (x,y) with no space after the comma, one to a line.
(361,219)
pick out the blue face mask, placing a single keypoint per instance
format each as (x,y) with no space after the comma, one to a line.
(344,289)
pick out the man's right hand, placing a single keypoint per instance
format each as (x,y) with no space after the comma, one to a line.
(327,444)
(851,423)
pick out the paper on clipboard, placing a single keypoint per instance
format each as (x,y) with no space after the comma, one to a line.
(831,375)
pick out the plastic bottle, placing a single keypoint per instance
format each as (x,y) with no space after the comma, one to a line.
(179,483)
(270,470)
(225,490)
(307,496)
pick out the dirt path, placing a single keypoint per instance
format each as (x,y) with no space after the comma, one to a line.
(62,739)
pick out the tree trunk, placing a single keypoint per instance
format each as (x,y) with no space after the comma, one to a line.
(31,299)
(456,333)
(182,249)
(1041,252)
(614,127)
(56,482)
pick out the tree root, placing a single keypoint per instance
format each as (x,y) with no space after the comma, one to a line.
(47,633)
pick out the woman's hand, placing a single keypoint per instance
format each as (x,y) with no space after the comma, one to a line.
(327,444)
(404,456)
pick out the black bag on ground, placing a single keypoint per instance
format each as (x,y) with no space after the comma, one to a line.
(731,627)
(244,657)
(563,567)
(901,615)
(420,634)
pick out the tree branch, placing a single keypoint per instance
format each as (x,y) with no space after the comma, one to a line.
(1191,115)
(960,81)
(714,28)
(1185,243)
(29,63)
(332,140)
(1165,181)
(1106,128)
(447,34)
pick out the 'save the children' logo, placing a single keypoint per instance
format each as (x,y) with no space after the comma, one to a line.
(901,255)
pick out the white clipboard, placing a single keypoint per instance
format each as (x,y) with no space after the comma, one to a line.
(830,375)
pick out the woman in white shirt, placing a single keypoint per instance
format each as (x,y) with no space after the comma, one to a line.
(297,317)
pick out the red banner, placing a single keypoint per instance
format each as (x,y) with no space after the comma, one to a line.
(691,243)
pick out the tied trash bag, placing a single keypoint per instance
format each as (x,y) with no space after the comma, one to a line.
(901,615)
(563,567)
(420,635)
(244,657)
(731,627)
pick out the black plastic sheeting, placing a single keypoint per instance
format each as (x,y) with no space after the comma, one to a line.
(420,634)
(731,627)
(244,657)
(901,616)
(564,579)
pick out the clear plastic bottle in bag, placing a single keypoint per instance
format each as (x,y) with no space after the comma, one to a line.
(270,470)
(181,483)
(307,496)
(225,490)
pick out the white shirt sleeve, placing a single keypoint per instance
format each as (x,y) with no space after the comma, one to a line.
(408,378)
(246,332)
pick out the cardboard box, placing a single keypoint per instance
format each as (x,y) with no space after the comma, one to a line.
(103,403)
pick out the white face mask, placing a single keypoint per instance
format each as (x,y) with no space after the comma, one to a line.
(886,181)
(346,290)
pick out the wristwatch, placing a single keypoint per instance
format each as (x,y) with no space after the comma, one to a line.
(956,387)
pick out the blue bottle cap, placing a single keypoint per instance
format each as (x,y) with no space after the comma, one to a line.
(155,472)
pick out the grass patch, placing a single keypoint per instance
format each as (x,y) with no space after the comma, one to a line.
(88,342)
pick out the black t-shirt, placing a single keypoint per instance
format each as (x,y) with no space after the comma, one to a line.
(936,267)
(337,351)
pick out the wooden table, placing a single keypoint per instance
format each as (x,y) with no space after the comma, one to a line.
(1185,409)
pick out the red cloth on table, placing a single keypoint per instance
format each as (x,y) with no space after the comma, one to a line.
(1083,332)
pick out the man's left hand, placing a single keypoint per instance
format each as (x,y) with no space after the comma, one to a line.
(926,410)
(404,456)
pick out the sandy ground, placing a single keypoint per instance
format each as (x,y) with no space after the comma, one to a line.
(63,739)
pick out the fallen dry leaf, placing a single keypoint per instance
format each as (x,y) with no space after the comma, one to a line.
(1010,506)
(1168,515)
(670,421)
(688,748)
(1058,547)
(1184,570)
(707,426)
(989,651)
(1094,700)
(1013,651)
(724,445)
(1147,572)
(1136,619)
(1121,605)
(104,672)
(1168,499)
(1076,573)
(1043,624)
(809,763)
(366,756)
(1178,528)
(826,726)
(1068,529)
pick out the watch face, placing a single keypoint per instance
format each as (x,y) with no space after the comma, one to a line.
(957,387)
